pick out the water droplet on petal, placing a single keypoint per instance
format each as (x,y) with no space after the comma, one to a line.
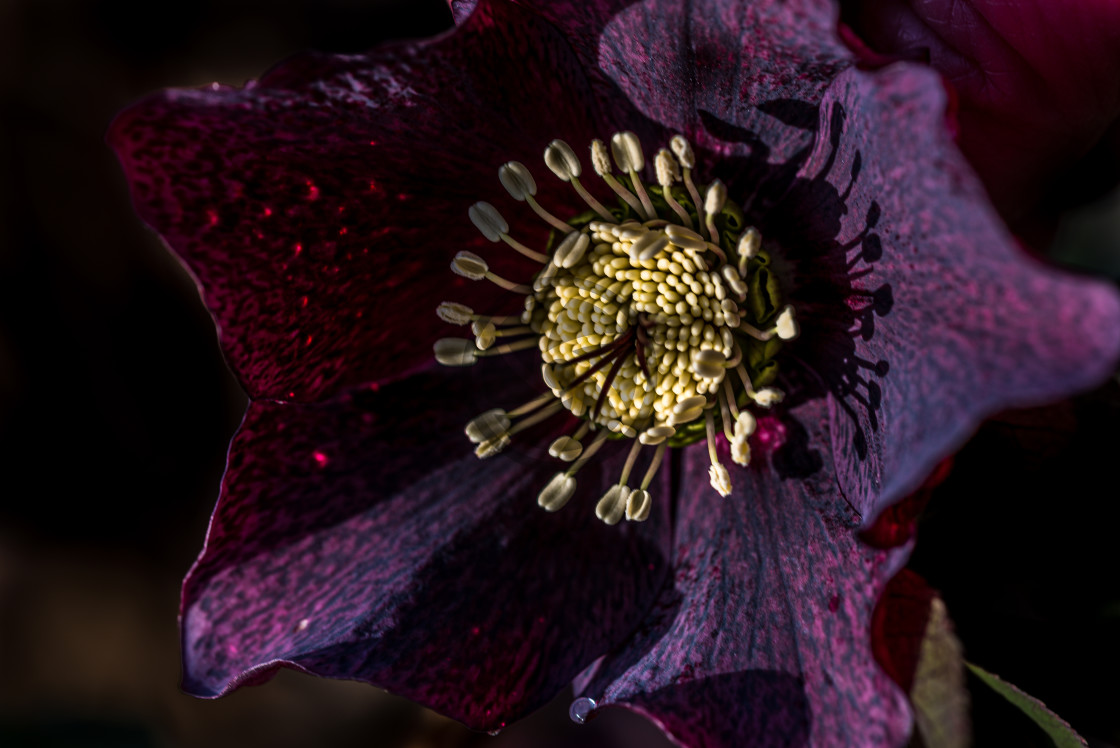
(580,709)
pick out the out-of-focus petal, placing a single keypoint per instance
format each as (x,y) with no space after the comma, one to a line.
(1037,83)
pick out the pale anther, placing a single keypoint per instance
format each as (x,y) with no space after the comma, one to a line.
(709,363)
(562,160)
(600,159)
(741,451)
(517,180)
(638,505)
(627,150)
(656,435)
(749,244)
(491,447)
(715,199)
(454,314)
(768,397)
(685,238)
(488,220)
(683,151)
(455,351)
(571,249)
(745,424)
(484,335)
(720,479)
(470,265)
(565,448)
(685,416)
(647,245)
(489,425)
(786,326)
(556,494)
(667,170)
(612,506)
(734,281)
(690,403)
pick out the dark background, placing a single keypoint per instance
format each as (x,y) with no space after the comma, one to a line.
(116,408)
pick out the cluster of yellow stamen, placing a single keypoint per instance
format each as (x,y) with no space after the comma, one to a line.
(642,317)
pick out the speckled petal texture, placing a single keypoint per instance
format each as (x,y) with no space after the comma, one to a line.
(973,325)
(762,639)
(363,539)
(310,203)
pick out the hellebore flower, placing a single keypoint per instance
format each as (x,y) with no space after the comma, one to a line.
(357,536)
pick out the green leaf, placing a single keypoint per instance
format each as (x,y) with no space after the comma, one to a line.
(1054,726)
(938,694)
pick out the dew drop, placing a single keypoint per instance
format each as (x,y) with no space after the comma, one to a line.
(580,709)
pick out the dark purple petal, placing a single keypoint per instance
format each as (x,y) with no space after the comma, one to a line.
(363,539)
(1038,87)
(319,209)
(763,637)
(948,320)
(461,10)
(764,66)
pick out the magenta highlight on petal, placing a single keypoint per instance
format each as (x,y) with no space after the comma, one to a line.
(656,320)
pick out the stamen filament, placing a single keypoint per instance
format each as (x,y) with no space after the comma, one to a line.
(551,219)
(718,251)
(506,284)
(641,190)
(755,333)
(710,425)
(530,406)
(630,460)
(730,397)
(518,345)
(533,420)
(686,219)
(743,375)
(652,469)
(512,331)
(588,198)
(530,253)
(693,193)
(587,453)
(625,194)
(502,320)
(726,416)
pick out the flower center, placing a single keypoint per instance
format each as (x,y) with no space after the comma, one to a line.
(657,321)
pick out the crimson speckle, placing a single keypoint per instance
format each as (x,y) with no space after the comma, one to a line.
(320,458)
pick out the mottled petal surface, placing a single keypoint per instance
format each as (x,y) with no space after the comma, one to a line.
(309,204)
(363,539)
(762,638)
(952,320)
